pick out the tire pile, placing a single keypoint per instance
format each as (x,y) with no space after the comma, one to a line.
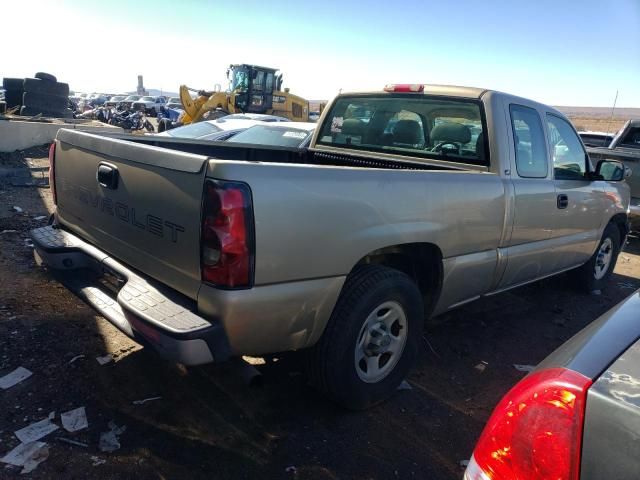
(41,95)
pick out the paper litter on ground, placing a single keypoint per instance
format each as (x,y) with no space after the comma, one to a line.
(74,420)
(77,357)
(145,400)
(27,455)
(105,359)
(97,460)
(109,440)
(404,385)
(15,377)
(36,431)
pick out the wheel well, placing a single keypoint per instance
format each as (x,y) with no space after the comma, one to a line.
(420,261)
(620,220)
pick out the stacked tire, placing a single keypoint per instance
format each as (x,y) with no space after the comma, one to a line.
(42,95)
(46,96)
(13,91)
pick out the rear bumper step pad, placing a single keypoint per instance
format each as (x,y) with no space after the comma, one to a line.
(154,315)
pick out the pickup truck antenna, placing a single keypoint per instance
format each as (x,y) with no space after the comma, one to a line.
(612,110)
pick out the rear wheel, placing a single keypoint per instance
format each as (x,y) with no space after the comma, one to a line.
(594,275)
(371,340)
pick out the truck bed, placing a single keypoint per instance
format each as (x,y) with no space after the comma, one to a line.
(342,208)
(252,153)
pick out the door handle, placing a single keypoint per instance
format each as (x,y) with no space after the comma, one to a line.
(563,201)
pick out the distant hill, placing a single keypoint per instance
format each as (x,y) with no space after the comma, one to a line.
(599,119)
(601,112)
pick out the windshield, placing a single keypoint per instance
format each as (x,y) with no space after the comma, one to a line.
(194,130)
(148,99)
(269,135)
(117,98)
(419,125)
(240,80)
(133,97)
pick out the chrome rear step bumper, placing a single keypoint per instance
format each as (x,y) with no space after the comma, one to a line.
(151,314)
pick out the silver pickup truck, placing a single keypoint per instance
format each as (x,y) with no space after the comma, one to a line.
(409,202)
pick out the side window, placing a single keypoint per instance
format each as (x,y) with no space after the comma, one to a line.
(258,83)
(529,142)
(632,138)
(569,158)
(269,86)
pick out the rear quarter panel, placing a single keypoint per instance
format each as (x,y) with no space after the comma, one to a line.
(319,221)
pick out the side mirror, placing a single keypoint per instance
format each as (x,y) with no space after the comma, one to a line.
(612,170)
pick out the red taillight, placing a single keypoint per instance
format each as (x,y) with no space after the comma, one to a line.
(404,87)
(227,240)
(535,432)
(52,172)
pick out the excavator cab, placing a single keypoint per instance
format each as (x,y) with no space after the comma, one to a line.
(253,87)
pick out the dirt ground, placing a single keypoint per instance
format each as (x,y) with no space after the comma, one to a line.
(210,424)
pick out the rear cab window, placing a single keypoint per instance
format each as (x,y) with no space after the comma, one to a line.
(425,126)
(529,142)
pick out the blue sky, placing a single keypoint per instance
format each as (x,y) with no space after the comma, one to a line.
(557,52)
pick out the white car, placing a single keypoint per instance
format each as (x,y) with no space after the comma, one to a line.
(285,134)
(210,129)
(256,116)
(150,104)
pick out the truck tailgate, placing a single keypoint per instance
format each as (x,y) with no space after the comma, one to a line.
(148,217)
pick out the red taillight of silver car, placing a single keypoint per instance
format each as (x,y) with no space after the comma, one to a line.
(227,235)
(535,432)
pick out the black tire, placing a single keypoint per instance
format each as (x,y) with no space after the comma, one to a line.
(12,83)
(32,112)
(13,98)
(36,85)
(162,125)
(332,363)
(52,103)
(46,76)
(586,274)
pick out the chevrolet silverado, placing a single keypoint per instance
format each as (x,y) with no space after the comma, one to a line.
(409,202)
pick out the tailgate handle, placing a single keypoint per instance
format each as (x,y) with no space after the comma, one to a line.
(107,176)
(563,201)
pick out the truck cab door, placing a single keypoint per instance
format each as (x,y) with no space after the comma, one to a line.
(526,251)
(578,216)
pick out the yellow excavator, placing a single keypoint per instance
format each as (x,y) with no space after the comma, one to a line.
(252,89)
